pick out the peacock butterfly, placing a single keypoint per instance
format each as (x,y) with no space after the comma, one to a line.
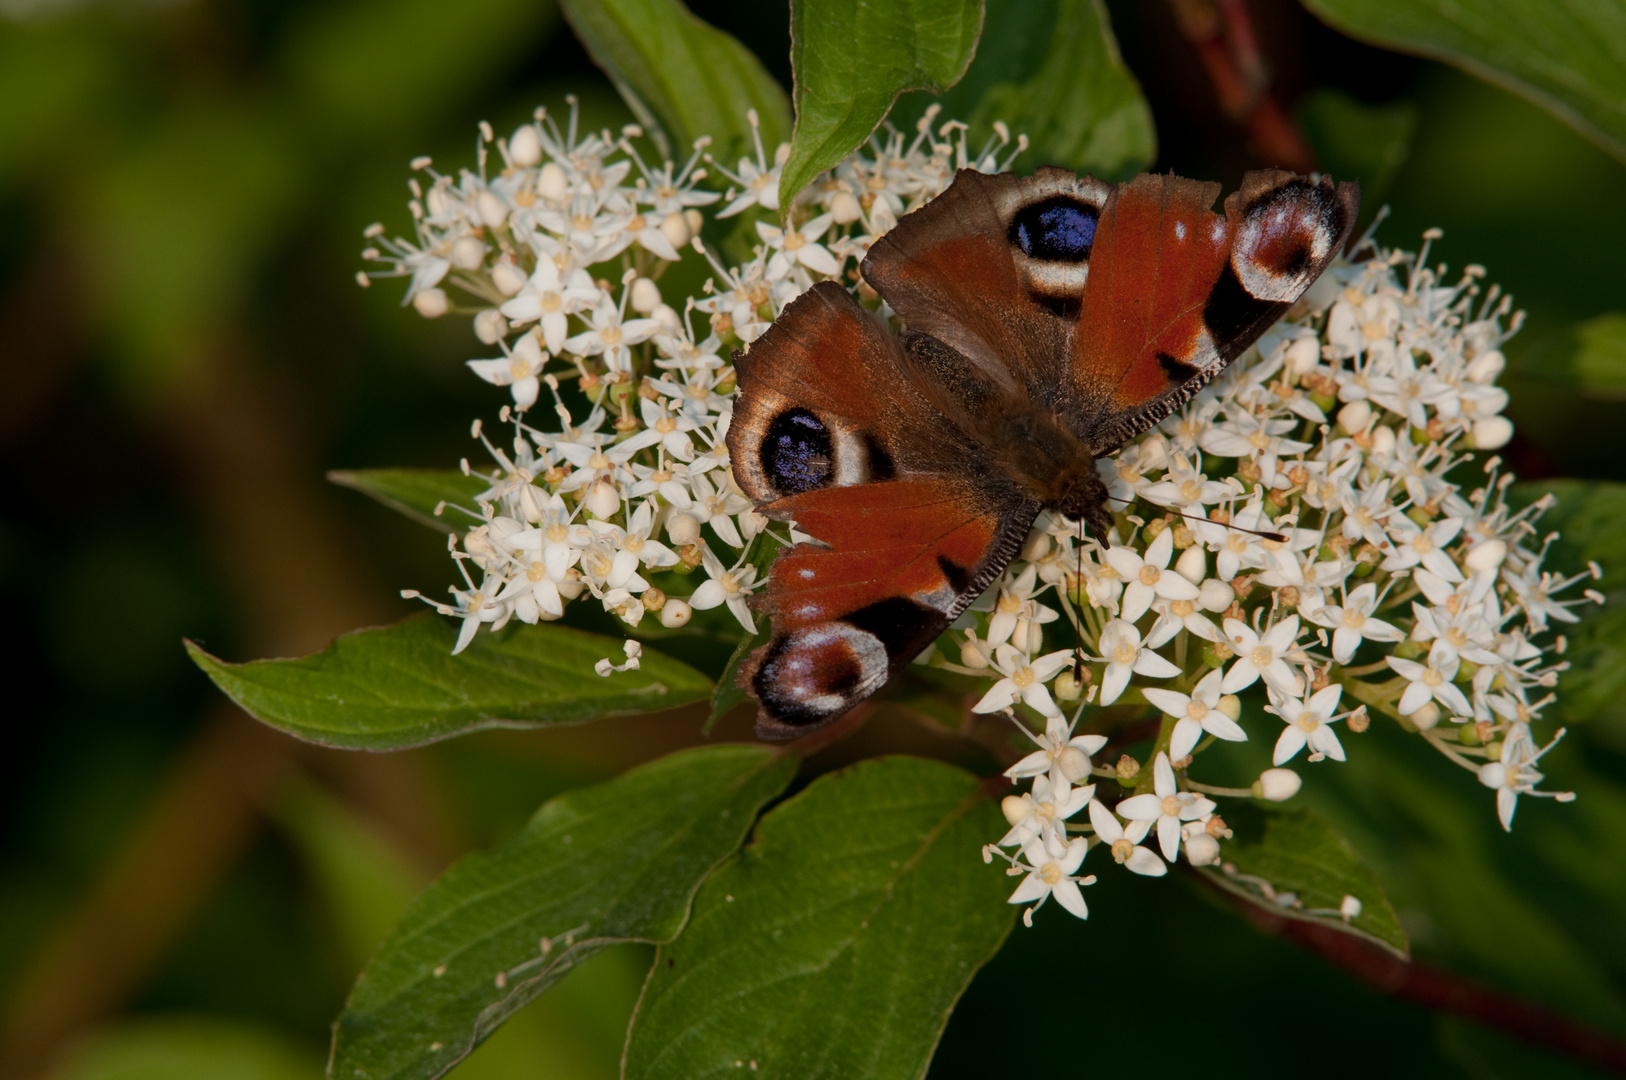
(1049,319)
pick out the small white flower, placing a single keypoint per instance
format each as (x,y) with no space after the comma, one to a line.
(1308,725)
(1120,647)
(1515,773)
(1050,873)
(1196,713)
(1351,622)
(1061,754)
(727,586)
(1149,577)
(1024,680)
(1124,844)
(1167,808)
(1431,681)
(1044,812)
(1263,656)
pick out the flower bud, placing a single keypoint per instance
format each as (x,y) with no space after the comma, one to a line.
(1303,355)
(1277,785)
(552,183)
(971,655)
(508,278)
(492,210)
(1193,566)
(1073,763)
(674,613)
(1036,547)
(1486,366)
(1028,636)
(1350,908)
(432,303)
(1426,717)
(525,146)
(467,253)
(676,230)
(1230,706)
(1492,433)
(603,499)
(1014,807)
(1066,688)
(646,296)
(669,321)
(1383,440)
(695,219)
(844,208)
(1128,768)
(490,327)
(683,529)
(1214,594)
(1354,417)
(1486,555)
(1202,850)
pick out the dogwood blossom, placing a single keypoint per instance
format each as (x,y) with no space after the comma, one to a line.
(1299,535)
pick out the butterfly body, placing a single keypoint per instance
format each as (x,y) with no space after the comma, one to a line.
(1049,319)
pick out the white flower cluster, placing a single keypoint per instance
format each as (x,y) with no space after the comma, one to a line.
(1308,542)
(558,258)
(1323,550)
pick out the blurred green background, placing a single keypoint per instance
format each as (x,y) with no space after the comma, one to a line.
(184,352)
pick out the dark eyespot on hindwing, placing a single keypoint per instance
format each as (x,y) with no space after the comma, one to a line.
(1058,229)
(796,452)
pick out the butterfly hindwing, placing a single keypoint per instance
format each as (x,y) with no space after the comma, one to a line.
(828,432)
(903,559)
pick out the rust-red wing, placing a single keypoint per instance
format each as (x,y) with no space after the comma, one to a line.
(1176,291)
(903,559)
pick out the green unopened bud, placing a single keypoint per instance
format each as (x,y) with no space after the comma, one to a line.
(1465,673)
(1409,649)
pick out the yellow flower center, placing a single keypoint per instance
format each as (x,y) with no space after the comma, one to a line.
(1050,873)
(1148,575)
(1196,708)
(1262,657)
(794,240)
(1308,721)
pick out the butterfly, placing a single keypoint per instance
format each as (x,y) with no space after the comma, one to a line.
(1048,320)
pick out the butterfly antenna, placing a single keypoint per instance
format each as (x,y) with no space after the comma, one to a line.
(1276,536)
(1078,629)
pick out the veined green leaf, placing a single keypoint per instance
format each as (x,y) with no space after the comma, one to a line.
(395,686)
(851,61)
(680,76)
(440,498)
(1050,70)
(608,864)
(1568,56)
(837,942)
(1294,863)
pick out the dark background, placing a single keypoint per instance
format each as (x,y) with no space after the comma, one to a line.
(184,352)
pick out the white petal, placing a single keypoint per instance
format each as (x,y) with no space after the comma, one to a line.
(1106,826)
(1186,733)
(1141,808)
(1168,836)
(1113,681)
(1288,745)
(1067,894)
(1143,861)
(1154,666)
(1169,701)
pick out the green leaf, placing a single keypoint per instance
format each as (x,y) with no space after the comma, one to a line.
(396,686)
(837,942)
(1568,56)
(851,60)
(424,495)
(1050,70)
(681,77)
(727,692)
(1293,862)
(608,864)
(1357,141)
(1589,357)
(1590,518)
